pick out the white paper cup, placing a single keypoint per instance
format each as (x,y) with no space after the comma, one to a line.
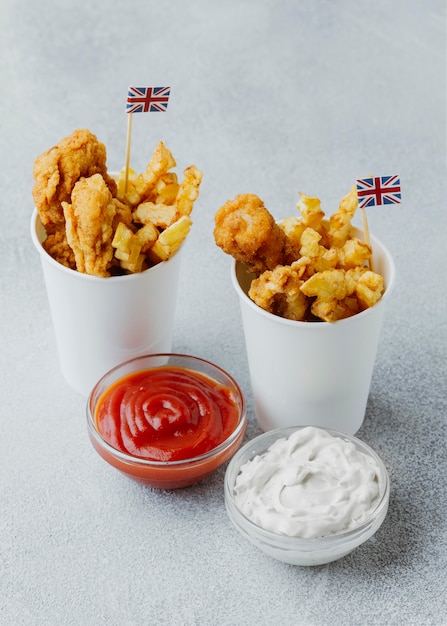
(101,322)
(312,373)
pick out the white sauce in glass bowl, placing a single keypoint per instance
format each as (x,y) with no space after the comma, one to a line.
(310,484)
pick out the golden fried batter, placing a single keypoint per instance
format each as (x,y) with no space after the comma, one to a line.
(57,246)
(58,169)
(245,229)
(279,292)
(89,224)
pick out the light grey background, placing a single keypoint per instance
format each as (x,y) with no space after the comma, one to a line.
(268,97)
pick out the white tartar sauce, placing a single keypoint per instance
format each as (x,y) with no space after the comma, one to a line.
(310,484)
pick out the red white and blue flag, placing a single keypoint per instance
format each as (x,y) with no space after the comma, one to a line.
(147,99)
(378,190)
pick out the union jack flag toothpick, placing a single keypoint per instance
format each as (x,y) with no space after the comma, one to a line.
(378,190)
(142,100)
(147,99)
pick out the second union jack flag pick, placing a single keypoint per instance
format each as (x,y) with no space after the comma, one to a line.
(378,190)
(147,99)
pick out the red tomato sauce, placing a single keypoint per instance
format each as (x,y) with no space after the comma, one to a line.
(166,414)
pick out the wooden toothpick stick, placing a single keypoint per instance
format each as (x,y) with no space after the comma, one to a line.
(367,238)
(127,162)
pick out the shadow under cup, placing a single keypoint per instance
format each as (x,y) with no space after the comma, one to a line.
(312,373)
(101,322)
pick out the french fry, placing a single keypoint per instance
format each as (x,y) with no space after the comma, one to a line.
(167,188)
(188,190)
(369,289)
(159,215)
(293,228)
(333,310)
(329,285)
(161,162)
(310,209)
(128,246)
(310,243)
(122,237)
(170,239)
(340,221)
(147,236)
(134,267)
(130,196)
(354,252)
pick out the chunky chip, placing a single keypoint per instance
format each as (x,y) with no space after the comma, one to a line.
(160,215)
(122,238)
(167,188)
(188,190)
(128,249)
(369,289)
(329,284)
(311,211)
(147,236)
(161,162)
(170,239)
(126,191)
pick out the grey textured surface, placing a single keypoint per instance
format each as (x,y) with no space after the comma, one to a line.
(270,97)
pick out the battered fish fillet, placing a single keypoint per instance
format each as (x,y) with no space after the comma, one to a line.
(279,292)
(57,246)
(58,169)
(90,221)
(247,231)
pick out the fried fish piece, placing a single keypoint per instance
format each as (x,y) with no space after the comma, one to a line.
(90,219)
(57,246)
(58,169)
(246,230)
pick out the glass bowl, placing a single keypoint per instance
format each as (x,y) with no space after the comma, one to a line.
(167,474)
(298,550)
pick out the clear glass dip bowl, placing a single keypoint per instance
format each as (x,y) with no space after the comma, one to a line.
(297,550)
(167,474)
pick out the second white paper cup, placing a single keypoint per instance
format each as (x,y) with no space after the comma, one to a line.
(312,373)
(101,322)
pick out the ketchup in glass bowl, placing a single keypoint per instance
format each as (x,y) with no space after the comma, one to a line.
(166,420)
